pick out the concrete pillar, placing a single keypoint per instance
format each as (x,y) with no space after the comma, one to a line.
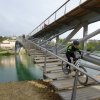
(85,33)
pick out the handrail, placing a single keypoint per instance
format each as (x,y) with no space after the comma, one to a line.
(47,19)
(45,50)
(74,89)
(51,15)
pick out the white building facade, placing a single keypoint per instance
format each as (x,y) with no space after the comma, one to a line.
(7,44)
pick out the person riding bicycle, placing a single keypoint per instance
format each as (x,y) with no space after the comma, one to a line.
(70,53)
(73,55)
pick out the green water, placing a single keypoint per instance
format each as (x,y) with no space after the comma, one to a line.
(18,68)
(21,67)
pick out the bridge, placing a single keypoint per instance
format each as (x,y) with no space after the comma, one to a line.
(51,56)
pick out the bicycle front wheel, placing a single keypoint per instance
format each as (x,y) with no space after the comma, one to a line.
(82,78)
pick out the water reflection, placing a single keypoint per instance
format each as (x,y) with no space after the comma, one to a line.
(26,70)
(7,61)
(7,69)
(18,68)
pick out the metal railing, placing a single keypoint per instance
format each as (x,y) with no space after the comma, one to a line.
(74,89)
(60,58)
(61,11)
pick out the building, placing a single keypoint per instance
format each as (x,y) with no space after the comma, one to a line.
(7,44)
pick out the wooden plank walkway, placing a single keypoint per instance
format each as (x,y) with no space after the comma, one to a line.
(50,64)
(55,75)
(62,83)
(67,83)
(48,60)
(54,68)
(86,93)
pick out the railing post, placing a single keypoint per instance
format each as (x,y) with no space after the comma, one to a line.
(62,64)
(48,21)
(65,10)
(56,46)
(55,16)
(45,58)
(74,90)
(34,53)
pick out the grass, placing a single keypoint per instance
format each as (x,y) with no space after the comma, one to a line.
(27,90)
(6,52)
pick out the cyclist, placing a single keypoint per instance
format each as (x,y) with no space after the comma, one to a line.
(70,53)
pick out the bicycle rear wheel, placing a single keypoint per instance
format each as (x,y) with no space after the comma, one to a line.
(82,78)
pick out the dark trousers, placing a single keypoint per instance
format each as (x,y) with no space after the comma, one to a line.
(68,57)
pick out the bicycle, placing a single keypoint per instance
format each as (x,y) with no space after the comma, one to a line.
(82,78)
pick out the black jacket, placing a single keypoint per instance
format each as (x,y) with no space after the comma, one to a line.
(71,50)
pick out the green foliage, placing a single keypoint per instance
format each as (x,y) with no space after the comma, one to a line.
(91,45)
(61,40)
(1,50)
(3,38)
(6,53)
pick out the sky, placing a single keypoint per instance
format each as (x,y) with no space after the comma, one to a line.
(19,17)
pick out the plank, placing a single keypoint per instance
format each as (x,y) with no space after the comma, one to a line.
(42,58)
(42,55)
(55,75)
(36,58)
(67,83)
(86,93)
(32,53)
(53,68)
(48,60)
(50,64)
(54,71)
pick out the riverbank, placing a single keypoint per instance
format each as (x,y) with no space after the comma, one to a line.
(7,52)
(27,90)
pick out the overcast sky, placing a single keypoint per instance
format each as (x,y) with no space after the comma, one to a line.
(22,16)
(19,17)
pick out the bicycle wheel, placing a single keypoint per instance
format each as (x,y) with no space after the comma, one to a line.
(66,70)
(82,78)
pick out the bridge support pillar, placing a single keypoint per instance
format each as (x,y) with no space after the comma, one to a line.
(85,33)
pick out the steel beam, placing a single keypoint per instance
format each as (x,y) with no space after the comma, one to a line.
(90,35)
(90,65)
(91,59)
(78,27)
(85,38)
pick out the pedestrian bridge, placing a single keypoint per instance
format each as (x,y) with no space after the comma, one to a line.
(51,56)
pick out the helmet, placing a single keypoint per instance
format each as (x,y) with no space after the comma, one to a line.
(76,42)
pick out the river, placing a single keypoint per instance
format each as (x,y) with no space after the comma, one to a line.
(21,68)
(18,68)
